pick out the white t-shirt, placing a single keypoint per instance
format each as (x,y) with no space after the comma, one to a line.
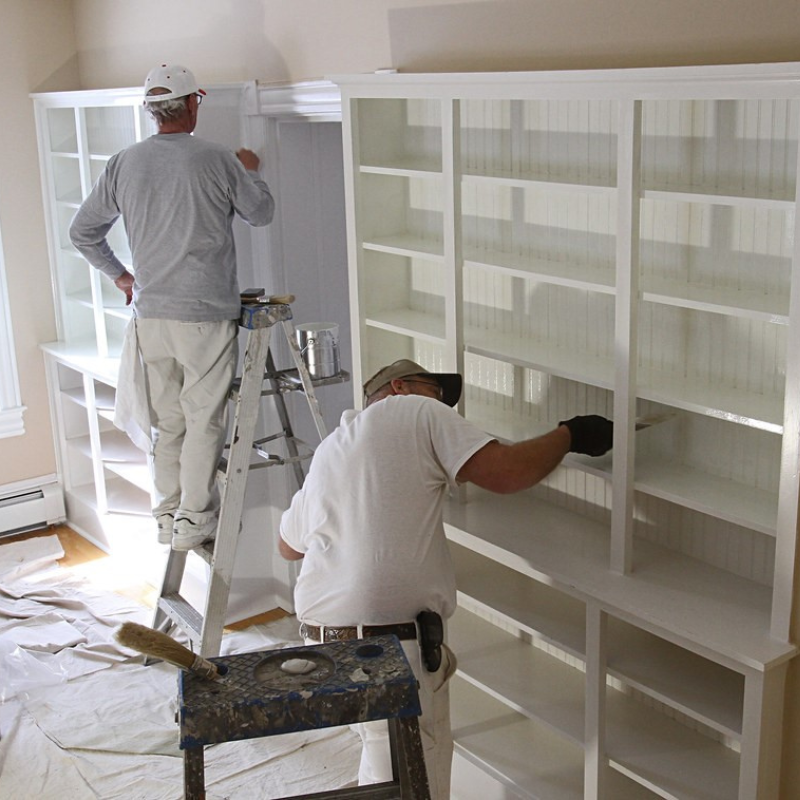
(369,515)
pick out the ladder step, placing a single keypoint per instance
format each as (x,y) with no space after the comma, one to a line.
(298,449)
(302,452)
(288,380)
(271,460)
(183,614)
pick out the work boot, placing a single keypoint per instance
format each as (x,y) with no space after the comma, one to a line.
(188,534)
(165,524)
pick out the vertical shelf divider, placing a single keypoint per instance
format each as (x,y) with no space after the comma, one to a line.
(789,488)
(518,225)
(453,247)
(629,139)
(352,177)
(83,151)
(762,722)
(97,449)
(596,762)
(95,277)
(452,233)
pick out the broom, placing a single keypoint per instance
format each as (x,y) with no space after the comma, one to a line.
(159,645)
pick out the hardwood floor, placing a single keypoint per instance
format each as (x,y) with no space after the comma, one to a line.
(78,552)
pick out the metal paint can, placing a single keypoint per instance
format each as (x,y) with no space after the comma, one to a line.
(319,346)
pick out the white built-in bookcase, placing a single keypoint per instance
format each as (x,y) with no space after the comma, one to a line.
(103,473)
(618,243)
(76,141)
(107,481)
(295,131)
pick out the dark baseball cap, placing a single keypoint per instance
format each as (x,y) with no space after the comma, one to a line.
(451,382)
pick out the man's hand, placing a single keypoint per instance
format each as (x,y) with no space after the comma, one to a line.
(249,159)
(591,435)
(125,284)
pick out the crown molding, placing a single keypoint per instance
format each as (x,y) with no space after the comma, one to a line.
(316,101)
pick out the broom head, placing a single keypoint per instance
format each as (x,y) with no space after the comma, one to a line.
(155,644)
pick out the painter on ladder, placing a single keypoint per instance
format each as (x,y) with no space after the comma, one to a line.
(368,525)
(177,196)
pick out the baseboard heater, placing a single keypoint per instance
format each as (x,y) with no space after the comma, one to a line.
(28,509)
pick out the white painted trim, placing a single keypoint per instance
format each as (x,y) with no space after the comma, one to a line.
(123,96)
(318,101)
(11,408)
(710,82)
(310,101)
(11,421)
(28,484)
(31,504)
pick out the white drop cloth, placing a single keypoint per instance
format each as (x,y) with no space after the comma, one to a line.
(83,718)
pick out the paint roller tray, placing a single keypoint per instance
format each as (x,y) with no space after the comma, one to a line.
(295,689)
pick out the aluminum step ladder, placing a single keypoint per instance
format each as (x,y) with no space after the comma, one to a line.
(259,379)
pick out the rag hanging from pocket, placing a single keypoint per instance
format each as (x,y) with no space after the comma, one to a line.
(131,407)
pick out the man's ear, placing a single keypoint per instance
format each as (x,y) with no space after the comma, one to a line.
(398,386)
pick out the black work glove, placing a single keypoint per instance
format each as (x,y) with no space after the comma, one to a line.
(591,435)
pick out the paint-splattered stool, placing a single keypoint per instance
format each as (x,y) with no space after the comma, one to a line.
(304,688)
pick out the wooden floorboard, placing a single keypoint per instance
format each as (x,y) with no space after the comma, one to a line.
(78,551)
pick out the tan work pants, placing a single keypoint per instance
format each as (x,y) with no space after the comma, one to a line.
(434,725)
(189,367)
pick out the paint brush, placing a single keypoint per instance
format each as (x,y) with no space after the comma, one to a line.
(159,645)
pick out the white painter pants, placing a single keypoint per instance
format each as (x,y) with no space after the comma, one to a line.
(189,367)
(434,723)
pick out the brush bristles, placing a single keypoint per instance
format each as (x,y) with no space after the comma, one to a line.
(155,644)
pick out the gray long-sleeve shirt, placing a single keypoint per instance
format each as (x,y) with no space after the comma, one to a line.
(177,196)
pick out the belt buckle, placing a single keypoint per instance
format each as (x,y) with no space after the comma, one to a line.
(339,634)
(315,632)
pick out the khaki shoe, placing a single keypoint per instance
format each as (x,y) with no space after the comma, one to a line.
(187,535)
(165,524)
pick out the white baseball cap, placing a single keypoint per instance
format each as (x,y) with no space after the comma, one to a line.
(177,80)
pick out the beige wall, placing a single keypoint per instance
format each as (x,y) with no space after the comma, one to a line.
(275,40)
(278,41)
(37,51)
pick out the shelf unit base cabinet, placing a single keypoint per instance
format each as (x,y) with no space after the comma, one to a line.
(622,243)
(671,719)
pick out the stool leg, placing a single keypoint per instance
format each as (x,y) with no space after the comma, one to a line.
(194,777)
(408,759)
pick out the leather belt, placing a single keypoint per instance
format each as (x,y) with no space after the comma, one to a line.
(335,633)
